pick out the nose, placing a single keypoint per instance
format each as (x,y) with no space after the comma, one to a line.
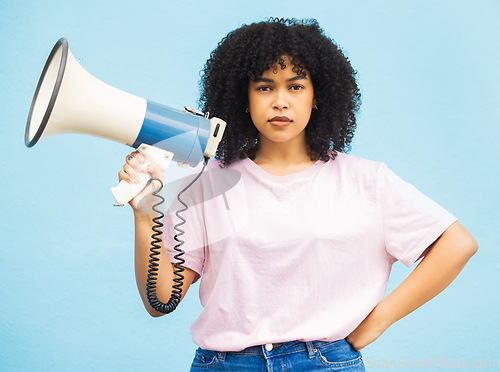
(280,100)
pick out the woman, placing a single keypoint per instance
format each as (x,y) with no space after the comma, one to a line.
(294,258)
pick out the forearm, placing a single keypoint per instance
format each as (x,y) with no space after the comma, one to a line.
(446,258)
(143,232)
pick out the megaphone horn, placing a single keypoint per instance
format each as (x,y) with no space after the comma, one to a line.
(68,99)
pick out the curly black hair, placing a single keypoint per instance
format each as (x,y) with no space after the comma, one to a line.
(252,49)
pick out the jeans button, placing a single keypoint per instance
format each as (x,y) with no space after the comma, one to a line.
(269,347)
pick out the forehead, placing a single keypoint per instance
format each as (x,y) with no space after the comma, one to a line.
(285,65)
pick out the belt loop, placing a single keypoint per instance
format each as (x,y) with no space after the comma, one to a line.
(222,356)
(310,349)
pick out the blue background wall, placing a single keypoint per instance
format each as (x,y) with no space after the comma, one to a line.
(429,76)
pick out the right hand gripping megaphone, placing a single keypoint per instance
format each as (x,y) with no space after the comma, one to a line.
(68,99)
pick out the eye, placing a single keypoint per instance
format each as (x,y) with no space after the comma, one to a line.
(264,88)
(296,87)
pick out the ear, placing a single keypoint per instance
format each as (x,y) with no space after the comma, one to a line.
(314,106)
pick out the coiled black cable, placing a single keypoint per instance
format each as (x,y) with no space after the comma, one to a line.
(152,277)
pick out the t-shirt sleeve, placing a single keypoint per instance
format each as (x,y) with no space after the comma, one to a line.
(411,220)
(189,236)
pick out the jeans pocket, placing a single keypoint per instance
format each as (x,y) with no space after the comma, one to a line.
(204,359)
(340,355)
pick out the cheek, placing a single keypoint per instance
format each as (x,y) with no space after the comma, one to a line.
(306,112)
(308,109)
(254,116)
(306,119)
(257,106)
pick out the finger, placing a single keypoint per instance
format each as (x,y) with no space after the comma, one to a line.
(138,162)
(154,169)
(124,176)
(137,156)
(133,159)
(132,173)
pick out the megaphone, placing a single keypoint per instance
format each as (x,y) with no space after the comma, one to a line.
(68,99)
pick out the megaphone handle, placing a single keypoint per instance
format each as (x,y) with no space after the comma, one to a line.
(125,191)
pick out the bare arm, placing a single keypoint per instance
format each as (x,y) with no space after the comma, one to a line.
(143,225)
(143,219)
(446,258)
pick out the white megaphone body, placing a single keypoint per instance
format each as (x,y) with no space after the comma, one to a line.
(68,99)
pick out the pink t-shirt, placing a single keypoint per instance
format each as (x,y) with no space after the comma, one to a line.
(305,256)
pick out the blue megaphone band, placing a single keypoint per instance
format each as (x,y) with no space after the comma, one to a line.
(184,134)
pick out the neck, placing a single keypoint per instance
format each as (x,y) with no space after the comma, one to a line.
(282,154)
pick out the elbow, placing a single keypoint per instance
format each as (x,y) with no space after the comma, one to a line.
(457,243)
(153,312)
(150,310)
(467,243)
(472,246)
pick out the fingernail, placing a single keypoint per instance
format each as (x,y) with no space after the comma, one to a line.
(142,159)
(145,168)
(138,180)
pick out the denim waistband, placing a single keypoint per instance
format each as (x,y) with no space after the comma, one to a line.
(277,349)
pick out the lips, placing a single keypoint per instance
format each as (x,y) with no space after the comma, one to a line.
(280,121)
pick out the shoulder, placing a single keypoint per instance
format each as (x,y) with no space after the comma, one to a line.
(355,166)
(217,176)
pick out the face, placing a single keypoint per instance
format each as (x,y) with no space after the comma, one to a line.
(280,104)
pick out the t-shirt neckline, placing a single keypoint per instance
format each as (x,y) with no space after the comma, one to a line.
(255,168)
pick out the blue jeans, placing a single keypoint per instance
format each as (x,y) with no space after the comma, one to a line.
(287,356)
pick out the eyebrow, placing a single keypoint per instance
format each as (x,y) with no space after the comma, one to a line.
(266,80)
